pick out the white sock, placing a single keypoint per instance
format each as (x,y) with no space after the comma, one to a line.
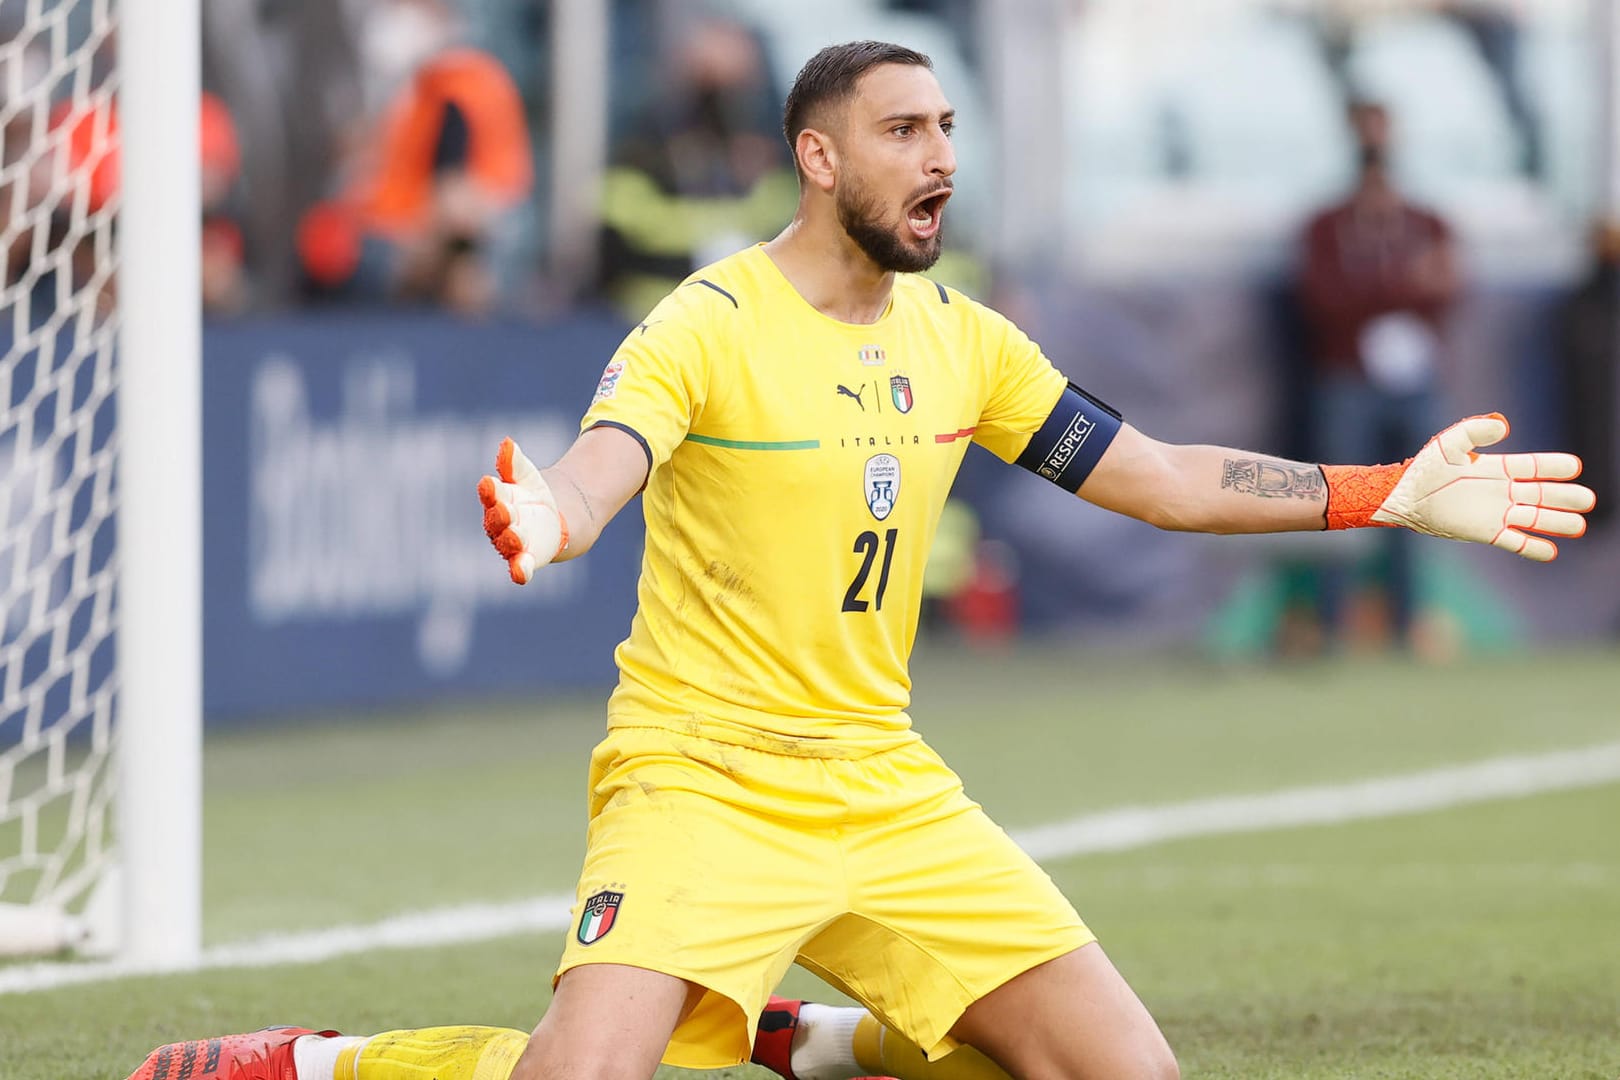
(823,1044)
(315,1056)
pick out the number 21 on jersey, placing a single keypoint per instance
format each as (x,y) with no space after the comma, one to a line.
(866,546)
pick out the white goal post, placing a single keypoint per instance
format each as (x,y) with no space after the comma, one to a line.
(100,481)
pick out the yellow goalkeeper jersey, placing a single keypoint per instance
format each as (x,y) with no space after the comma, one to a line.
(797,469)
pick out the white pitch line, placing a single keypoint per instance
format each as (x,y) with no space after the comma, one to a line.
(418,929)
(1110,830)
(1326,804)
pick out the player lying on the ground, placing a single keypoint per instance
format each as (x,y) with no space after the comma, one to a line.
(798,1040)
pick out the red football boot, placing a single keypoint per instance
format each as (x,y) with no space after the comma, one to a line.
(260,1055)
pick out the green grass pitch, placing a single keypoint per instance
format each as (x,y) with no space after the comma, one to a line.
(1479,941)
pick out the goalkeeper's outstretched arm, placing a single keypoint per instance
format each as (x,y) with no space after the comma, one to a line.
(537,516)
(1448,489)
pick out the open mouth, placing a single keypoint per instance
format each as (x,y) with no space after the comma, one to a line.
(924,215)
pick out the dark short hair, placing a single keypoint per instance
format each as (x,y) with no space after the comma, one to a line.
(829,77)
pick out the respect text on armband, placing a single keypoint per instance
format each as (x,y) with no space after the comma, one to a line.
(1068,445)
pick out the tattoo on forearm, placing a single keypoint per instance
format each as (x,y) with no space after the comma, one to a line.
(1270,479)
(583,498)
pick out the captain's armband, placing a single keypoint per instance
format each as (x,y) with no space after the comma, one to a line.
(1071,442)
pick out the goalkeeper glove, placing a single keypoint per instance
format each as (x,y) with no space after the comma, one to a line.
(1449,490)
(520,514)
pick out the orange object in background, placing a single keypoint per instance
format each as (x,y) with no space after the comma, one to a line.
(985,610)
(397,196)
(329,243)
(92,145)
(221,152)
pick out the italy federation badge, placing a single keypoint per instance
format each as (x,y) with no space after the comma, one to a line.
(900,390)
(597,917)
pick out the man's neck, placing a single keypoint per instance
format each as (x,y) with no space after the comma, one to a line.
(833,275)
(1375,193)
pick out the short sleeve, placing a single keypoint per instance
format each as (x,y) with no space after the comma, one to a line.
(1023,387)
(654,386)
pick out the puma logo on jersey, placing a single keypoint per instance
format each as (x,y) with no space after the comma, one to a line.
(847,392)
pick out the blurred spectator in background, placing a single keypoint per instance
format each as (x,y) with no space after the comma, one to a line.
(1378,280)
(1590,326)
(224,277)
(702,176)
(24,185)
(291,73)
(91,132)
(432,175)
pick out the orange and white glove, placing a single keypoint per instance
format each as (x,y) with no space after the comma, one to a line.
(520,514)
(1449,490)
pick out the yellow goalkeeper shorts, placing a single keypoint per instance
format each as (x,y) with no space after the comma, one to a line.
(722,864)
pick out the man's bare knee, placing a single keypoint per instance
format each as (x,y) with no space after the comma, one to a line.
(1071,1018)
(548,1062)
(548,1059)
(1162,1064)
(606,1022)
(1148,1061)
(1152,1063)
(1147,1056)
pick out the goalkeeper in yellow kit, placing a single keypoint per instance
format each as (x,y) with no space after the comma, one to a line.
(796,414)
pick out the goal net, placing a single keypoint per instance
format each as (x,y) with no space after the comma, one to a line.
(63,185)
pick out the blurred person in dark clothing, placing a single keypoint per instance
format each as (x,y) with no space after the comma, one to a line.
(444,161)
(1590,333)
(1379,278)
(704,174)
